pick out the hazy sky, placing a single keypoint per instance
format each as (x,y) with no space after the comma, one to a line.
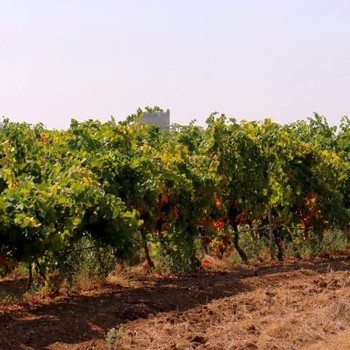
(63,59)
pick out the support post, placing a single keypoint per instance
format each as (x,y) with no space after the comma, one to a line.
(271,236)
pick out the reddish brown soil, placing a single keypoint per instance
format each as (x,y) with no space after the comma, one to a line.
(296,305)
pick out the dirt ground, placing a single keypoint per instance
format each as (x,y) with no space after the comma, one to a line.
(294,305)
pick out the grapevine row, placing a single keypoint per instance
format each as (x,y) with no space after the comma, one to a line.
(127,184)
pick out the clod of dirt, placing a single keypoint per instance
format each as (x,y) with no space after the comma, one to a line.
(134,312)
(321,283)
(334,284)
(199,339)
(250,328)
(250,346)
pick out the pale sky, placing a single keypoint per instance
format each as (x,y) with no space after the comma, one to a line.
(251,59)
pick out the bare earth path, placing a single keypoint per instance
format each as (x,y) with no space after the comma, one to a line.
(297,305)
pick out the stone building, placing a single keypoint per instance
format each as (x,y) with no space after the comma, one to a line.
(161,119)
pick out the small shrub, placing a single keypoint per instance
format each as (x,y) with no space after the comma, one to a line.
(86,264)
(113,338)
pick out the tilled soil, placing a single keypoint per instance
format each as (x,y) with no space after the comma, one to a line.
(294,305)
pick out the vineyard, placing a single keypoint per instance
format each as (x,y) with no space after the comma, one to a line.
(170,196)
(119,235)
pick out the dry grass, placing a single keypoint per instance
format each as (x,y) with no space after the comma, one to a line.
(214,264)
(283,314)
(122,276)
